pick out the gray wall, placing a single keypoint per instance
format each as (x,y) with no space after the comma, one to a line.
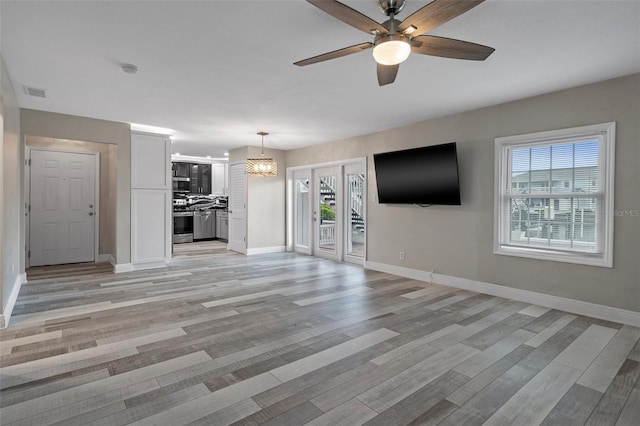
(74,128)
(265,200)
(458,241)
(10,265)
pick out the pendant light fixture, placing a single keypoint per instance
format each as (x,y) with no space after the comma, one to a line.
(262,166)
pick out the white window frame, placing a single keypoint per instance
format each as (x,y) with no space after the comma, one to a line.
(605,133)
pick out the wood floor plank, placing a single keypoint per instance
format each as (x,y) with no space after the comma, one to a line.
(548,332)
(574,408)
(351,413)
(631,411)
(89,390)
(328,356)
(601,372)
(140,411)
(471,388)
(482,405)
(535,400)
(615,398)
(493,353)
(399,387)
(211,403)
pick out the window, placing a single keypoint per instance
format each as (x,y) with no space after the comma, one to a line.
(554,195)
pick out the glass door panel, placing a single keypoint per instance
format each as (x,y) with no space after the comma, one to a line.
(355,214)
(302,220)
(326,212)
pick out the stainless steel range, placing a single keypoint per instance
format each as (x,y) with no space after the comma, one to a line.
(183,227)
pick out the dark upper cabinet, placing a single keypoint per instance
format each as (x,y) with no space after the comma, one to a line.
(181,170)
(205,178)
(200,178)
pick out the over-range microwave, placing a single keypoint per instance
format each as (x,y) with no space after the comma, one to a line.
(181,184)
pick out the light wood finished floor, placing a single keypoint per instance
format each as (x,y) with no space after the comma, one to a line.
(199,248)
(67,270)
(284,339)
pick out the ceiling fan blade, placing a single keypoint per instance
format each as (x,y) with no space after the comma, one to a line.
(451,48)
(335,54)
(349,16)
(387,74)
(435,14)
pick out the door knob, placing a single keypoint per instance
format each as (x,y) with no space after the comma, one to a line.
(90,206)
(90,213)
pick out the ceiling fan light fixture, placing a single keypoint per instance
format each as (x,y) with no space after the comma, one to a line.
(391,50)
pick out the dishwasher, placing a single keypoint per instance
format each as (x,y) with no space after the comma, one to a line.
(204,225)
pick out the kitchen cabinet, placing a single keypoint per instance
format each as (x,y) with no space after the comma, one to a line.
(222,225)
(220,179)
(200,178)
(181,170)
(203,178)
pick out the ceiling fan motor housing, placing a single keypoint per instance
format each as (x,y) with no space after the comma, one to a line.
(391,7)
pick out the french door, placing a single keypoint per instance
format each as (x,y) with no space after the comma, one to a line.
(327,218)
(327,213)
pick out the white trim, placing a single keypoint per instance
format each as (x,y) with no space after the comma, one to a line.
(122,267)
(579,307)
(5,317)
(129,267)
(357,160)
(606,163)
(161,134)
(264,250)
(200,160)
(414,274)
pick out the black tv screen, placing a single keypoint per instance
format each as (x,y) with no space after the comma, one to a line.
(426,176)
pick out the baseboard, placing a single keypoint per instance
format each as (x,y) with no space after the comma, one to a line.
(122,267)
(106,258)
(5,317)
(573,306)
(129,267)
(265,250)
(414,274)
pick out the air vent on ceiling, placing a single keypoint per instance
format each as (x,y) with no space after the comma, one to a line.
(32,91)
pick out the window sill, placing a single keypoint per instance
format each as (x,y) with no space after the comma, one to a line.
(541,254)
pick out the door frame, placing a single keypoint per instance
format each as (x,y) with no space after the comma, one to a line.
(290,204)
(27,198)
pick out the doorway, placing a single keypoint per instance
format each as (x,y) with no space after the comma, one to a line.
(62,207)
(327,212)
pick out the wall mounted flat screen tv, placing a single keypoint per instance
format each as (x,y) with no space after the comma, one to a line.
(423,176)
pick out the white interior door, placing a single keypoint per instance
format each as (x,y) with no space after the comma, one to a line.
(238,208)
(62,204)
(327,213)
(302,207)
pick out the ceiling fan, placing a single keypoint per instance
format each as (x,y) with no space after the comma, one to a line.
(395,40)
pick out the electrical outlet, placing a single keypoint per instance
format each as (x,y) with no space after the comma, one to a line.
(402,255)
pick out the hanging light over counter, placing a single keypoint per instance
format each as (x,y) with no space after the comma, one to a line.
(262,166)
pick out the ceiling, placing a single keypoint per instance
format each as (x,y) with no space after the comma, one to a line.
(216,72)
